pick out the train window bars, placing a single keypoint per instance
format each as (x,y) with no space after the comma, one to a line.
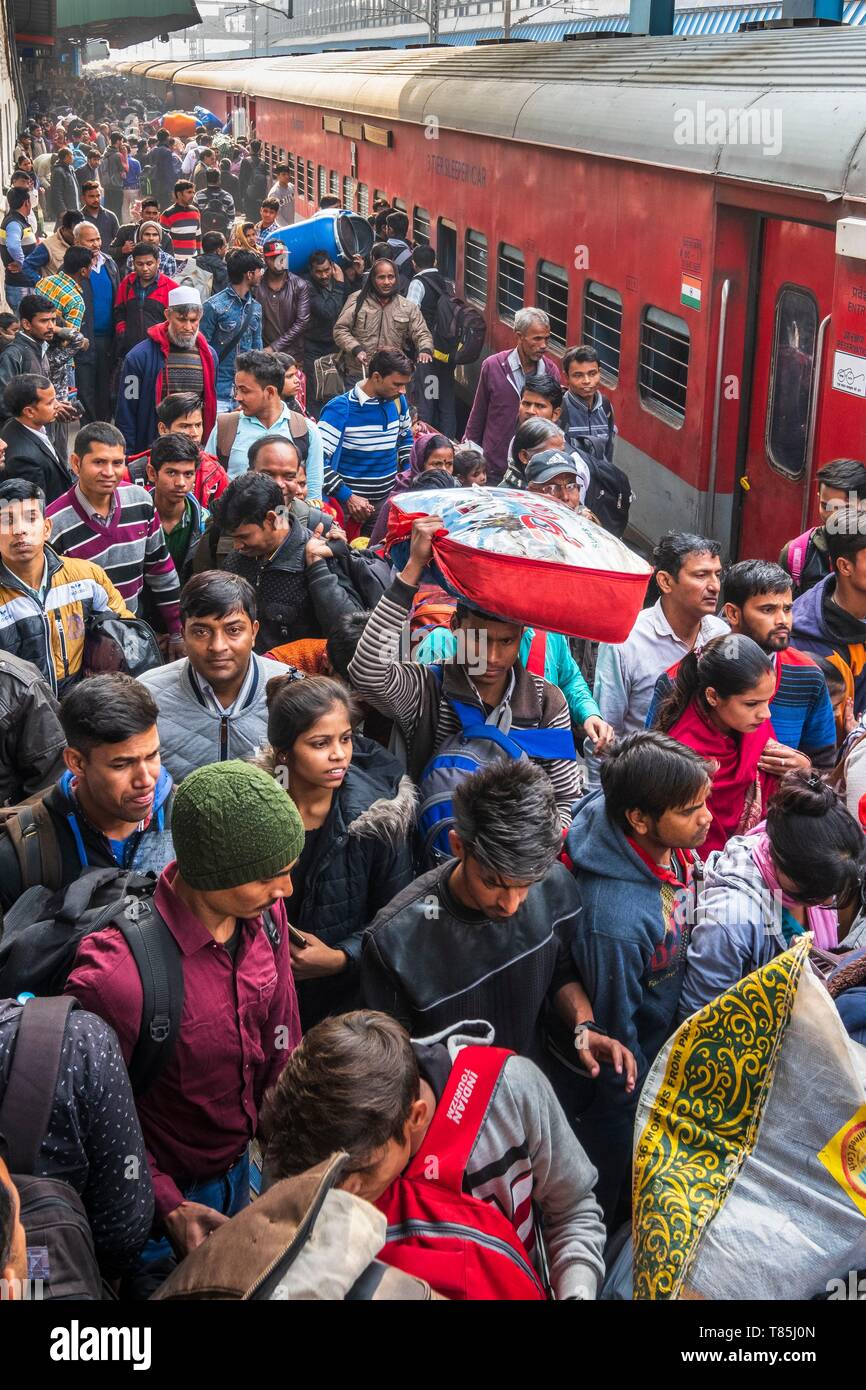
(791,380)
(421,227)
(400,205)
(311,187)
(664,364)
(363,199)
(290,160)
(334,184)
(552,296)
(602,327)
(510,281)
(323,180)
(475,265)
(348,192)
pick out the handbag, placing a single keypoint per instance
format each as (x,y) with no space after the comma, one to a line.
(112,643)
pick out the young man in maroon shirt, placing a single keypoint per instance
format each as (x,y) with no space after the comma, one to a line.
(236,837)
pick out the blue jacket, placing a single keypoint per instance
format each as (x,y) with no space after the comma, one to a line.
(138,396)
(629,958)
(220,321)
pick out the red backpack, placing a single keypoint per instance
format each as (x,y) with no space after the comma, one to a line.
(463,1247)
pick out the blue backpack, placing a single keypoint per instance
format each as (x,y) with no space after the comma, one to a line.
(475,747)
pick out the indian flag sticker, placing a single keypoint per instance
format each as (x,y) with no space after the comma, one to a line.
(690,292)
(845,1157)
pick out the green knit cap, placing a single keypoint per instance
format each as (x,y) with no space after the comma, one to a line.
(232,824)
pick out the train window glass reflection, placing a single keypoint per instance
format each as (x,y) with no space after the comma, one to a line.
(664,364)
(348,192)
(510,281)
(602,327)
(552,296)
(791,381)
(475,267)
(363,199)
(421,226)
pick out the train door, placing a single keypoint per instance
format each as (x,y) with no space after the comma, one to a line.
(794,298)
(446,248)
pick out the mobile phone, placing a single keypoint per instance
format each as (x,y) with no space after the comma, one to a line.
(297,937)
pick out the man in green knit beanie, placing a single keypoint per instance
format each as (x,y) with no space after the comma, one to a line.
(236,837)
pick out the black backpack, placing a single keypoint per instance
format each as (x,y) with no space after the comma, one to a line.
(609,494)
(458,329)
(257,184)
(61,1259)
(44,928)
(213,214)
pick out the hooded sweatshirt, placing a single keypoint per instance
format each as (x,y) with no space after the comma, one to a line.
(631,937)
(824,629)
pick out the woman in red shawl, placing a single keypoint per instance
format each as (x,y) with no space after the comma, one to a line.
(720,707)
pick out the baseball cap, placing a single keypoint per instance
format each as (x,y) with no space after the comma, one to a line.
(550,463)
(275,248)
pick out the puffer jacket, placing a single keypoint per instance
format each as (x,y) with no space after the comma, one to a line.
(31,738)
(51,633)
(362,861)
(737,925)
(397,325)
(191,733)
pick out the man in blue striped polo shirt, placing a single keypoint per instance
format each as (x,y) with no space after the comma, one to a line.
(367,437)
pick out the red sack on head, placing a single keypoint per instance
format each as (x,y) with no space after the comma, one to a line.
(529,559)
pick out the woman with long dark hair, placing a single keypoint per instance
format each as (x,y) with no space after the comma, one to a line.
(792,874)
(358,810)
(720,707)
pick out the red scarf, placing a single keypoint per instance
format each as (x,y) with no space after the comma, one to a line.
(740,791)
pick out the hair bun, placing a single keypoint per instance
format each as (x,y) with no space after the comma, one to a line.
(804,794)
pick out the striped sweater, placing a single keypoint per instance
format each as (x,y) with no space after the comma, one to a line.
(184,226)
(408,693)
(130,547)
(365,441)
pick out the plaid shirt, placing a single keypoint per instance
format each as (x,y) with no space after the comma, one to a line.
(63,291)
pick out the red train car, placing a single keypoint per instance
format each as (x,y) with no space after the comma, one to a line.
(693,207)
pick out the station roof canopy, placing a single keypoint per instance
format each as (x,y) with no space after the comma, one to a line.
(125,22)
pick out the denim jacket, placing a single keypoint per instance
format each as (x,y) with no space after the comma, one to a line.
(221,319)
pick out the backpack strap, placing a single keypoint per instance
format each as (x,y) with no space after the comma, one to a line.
(27,1104)
(460,1115)
(299,425)
(34,839)
(797,551)
(227,432)
(549,745)
(158,959)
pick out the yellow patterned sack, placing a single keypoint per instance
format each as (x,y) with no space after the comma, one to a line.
(748,1170)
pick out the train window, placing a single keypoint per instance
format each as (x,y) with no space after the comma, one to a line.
(348,192)
(475,267)
(311,185)
(323,181)
(290,160)
(552,296)
(398,203)
(446,248)
(379,196)
(510,281)
(299,189)
(421,226)
(664,364)
(363,200)
(791,381)
(334,186)
(602,327)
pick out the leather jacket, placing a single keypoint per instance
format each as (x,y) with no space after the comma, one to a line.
(291,306)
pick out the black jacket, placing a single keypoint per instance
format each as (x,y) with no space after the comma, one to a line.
(361,860)
(352,581)
(285,608)
(27,456)
(431,962)
(17,359)
(31,738)
(93,1140)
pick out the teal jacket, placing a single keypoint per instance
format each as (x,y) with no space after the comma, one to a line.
(560,667)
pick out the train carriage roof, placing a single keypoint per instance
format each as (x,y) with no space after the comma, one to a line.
(793,102)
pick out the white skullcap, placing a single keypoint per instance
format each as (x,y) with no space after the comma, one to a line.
(184,295)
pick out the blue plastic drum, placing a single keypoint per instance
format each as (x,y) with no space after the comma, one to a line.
(341,234)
